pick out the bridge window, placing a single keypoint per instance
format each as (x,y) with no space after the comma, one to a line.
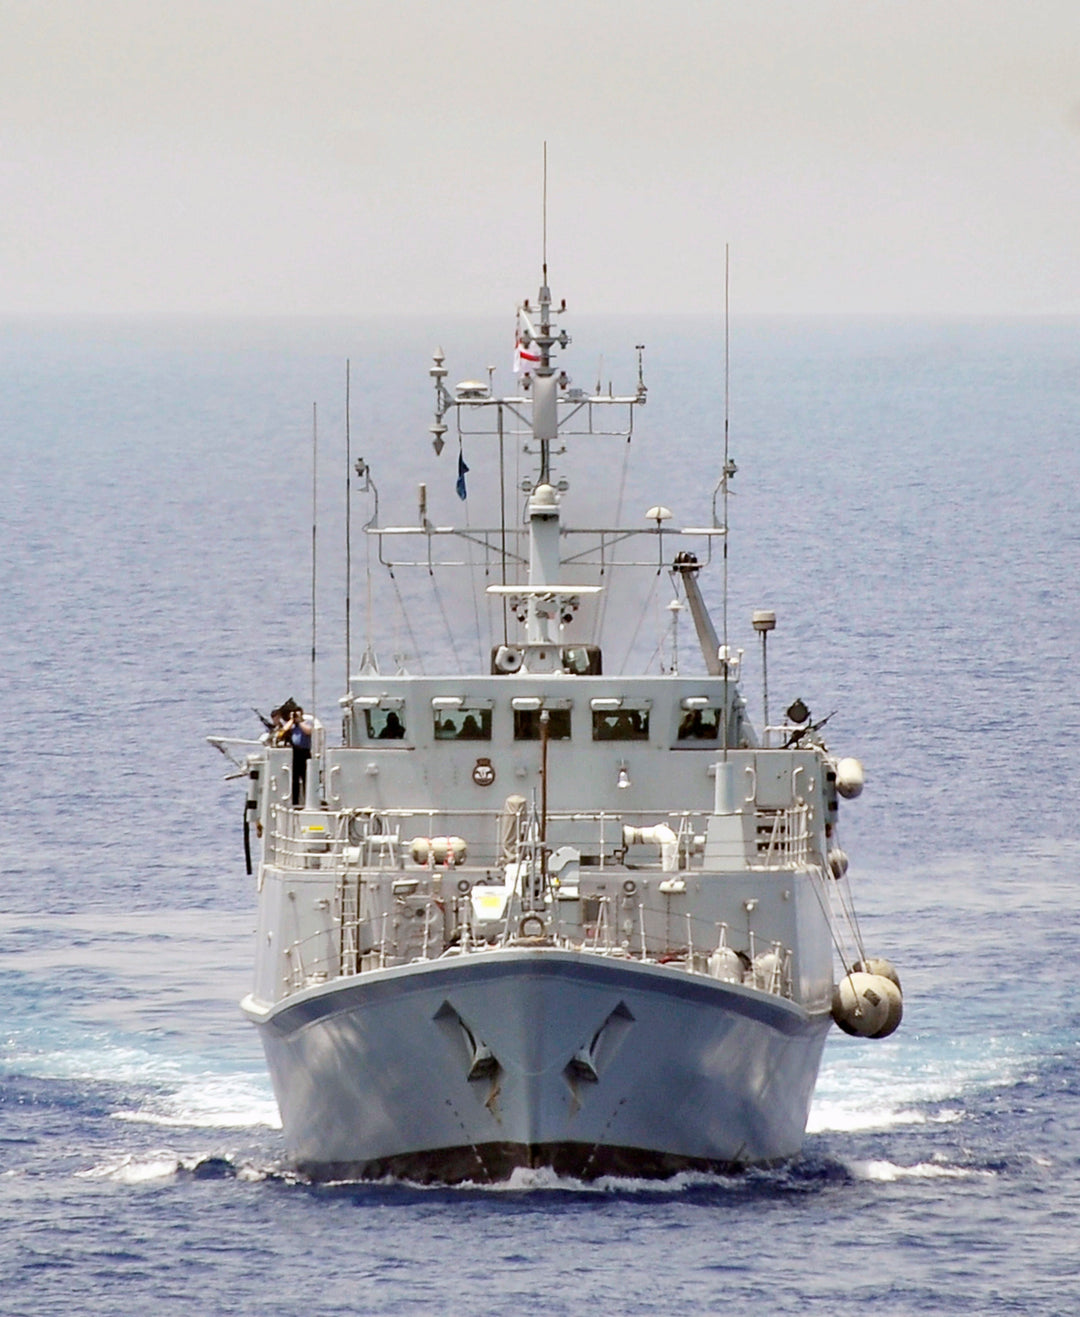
(699,724)
(615,719)
(620,725)
(384,724)
(527,711)
(464,723)
(527,723)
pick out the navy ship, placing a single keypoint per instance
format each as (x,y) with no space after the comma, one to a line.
(542,915)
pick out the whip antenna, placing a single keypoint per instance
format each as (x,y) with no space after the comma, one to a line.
(727,477)
(543,227)
(314,523)
(727,420)
(348,527)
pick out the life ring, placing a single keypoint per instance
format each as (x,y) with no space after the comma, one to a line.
(463,885)
(629,887)
(527,921)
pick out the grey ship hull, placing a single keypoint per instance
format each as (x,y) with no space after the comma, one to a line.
(463,1069)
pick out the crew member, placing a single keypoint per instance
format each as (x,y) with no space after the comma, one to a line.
(297,733)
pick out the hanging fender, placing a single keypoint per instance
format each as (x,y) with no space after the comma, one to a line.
(249,807)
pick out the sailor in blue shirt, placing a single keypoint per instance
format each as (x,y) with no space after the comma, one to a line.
(297,732)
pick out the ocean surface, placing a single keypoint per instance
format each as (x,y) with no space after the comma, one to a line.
(906,501)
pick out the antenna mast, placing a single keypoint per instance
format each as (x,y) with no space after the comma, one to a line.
(545,340)
(543,253)
(727,477)
(348,527)
(727,417)
(314,523)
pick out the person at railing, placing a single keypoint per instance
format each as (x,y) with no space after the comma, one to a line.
(279,718)
(297,733)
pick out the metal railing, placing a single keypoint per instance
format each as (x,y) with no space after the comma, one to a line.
(370,926)
(382,839)
(783,838)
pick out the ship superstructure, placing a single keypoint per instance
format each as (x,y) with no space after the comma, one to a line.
(542,915)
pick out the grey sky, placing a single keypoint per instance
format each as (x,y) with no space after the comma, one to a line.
(258,156)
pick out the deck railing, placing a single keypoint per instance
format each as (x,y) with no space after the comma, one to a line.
(382,839)
(363,933)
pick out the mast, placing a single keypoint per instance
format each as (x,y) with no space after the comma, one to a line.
(546,413)
(314,527)
(348,524)
(348,527)
(727,459)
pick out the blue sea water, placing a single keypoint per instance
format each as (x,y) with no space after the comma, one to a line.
(907,503)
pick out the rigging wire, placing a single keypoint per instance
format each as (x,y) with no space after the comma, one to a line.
(405,618)
(641,618)
(658,652)
(446,620)
(601,612)
(847,905)
(653,655)
(821,891)
(667,632)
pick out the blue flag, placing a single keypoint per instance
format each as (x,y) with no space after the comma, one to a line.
(461,470)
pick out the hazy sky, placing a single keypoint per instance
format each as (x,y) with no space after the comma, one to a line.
(343,156)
